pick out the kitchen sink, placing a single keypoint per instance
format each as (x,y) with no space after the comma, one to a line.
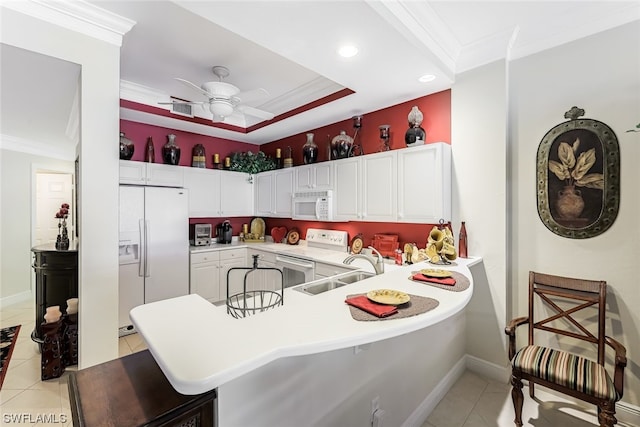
(324,285)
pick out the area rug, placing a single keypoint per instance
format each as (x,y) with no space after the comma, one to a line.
(8,337)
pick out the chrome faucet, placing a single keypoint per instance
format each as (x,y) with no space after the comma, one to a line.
(378,264)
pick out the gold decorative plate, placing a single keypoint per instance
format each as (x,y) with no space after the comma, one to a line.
(436,272)
(357,244)
(257,227)
(388,296)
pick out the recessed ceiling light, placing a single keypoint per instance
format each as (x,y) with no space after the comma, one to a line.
(347,51)
(426,78)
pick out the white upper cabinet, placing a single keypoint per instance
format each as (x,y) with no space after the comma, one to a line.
(204,192)
(424,183)
(236,194)
(215,193)
(273,193)
(155,174)
(365,187)
(315,177)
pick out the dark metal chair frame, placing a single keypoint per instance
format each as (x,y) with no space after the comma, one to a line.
(583,294)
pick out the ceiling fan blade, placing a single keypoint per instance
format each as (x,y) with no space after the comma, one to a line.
(250,96)
(251,111)
(194,86)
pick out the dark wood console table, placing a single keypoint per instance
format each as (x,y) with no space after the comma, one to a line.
(56,280)
(132,391)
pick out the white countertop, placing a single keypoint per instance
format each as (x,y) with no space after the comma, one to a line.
(199,346)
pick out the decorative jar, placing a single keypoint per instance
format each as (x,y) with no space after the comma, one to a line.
(198,156)
(341,146)
(171,151)
(310,150)
(126,147)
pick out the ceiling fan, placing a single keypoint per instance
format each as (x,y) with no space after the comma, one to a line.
(225,99)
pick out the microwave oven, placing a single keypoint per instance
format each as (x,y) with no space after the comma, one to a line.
(313,205)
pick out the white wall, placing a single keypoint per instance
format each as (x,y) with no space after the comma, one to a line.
(16,175)
(600,74)
(98,206)
(479,151)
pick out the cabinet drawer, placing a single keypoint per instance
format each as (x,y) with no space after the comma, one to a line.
(233,254)
(201,257)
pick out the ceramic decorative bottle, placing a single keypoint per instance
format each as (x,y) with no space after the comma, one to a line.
(415,134)
(126,147)
(150,152)
(462,242)
(278,158)
(170,151)
(310,150)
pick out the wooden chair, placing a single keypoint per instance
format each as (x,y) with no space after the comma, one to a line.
(559,299)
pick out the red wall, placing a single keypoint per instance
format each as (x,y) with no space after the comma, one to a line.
(436,109)
(138,133)
(437,124)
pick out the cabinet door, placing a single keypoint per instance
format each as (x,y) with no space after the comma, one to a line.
(378,187)
(346,200)
(264,194)
(424,183)
(236,190)
(282,189)
(204,278)
(304,178)
(316,177)
(165,175)
(323,176)
(204,192)
(236,278)
(132,172)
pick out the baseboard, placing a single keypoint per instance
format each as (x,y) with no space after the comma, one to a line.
(488,370)
(15,299)
(625,412)
(420,414)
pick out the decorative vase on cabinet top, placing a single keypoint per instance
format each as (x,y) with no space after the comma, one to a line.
(341,146)
(198,156)
(171,151)
(150,152)
(126,147)
(310,150)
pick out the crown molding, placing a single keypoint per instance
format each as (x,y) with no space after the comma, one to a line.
(21,145)
(422,27)
(78,16)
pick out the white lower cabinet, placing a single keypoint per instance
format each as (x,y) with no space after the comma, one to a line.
(365,187)
(269,280)
(208,273)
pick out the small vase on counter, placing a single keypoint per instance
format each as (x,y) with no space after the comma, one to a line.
(171,151)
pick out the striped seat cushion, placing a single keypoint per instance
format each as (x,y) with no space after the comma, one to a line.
(566,369)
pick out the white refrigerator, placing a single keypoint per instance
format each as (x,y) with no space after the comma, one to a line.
(153,247)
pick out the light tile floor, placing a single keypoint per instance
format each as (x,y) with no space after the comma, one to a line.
(473,401)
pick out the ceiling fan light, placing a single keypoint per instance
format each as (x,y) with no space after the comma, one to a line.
(221,108)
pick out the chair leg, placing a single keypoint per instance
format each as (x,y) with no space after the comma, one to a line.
(518,399)
(532,390)
(606,414)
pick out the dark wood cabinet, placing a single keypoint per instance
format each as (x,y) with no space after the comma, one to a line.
(132,391)
(56,280)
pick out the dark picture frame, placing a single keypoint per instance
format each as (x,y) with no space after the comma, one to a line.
(578,177)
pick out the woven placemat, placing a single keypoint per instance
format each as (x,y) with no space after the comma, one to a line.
(417,305)
(462,282)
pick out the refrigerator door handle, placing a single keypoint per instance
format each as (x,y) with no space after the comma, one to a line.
(147,272)
(142,260)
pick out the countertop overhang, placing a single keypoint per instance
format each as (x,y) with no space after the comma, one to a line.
(199,346)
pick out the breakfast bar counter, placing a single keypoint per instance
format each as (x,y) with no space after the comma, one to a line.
(200,347)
